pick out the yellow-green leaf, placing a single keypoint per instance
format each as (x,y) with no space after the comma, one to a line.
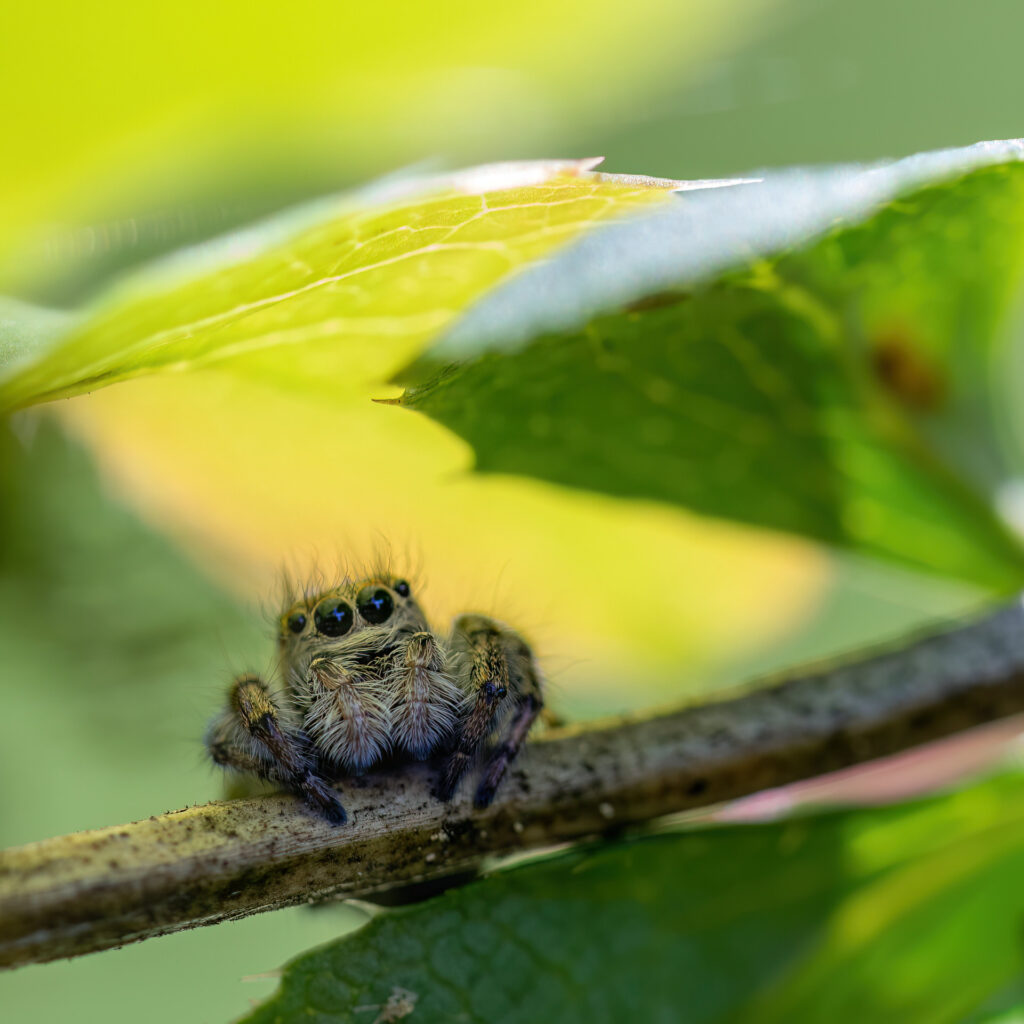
(335,297)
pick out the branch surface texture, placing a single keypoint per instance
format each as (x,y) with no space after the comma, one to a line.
(99,889)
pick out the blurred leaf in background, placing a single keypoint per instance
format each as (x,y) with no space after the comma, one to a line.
(824,81)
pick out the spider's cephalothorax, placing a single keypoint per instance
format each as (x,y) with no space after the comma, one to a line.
(364,678)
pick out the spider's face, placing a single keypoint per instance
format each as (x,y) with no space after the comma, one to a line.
(321,621)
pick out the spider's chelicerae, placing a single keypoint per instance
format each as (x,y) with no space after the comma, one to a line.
(364,679)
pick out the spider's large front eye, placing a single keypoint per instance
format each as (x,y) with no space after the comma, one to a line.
(333,617)
(375,604)
(296,622)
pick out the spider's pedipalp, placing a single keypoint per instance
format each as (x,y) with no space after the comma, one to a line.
(425,700)
(348,717)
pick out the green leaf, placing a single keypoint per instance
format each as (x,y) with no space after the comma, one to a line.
(334,296)
(1011,1015)
(26,331)
(820,353)
(907,914)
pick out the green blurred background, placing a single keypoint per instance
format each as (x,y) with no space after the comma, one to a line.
(132,132)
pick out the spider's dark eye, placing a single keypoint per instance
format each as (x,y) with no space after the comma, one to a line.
(333,617)
(296,622)
(402,588)
(375,604)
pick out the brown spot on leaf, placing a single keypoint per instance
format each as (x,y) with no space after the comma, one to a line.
(907,372)
(657,300)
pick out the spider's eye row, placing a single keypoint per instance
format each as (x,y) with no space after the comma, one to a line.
(375,604)
(402,588)
(296,622)
(333,616)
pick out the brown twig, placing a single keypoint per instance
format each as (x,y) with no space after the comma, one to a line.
(201,865)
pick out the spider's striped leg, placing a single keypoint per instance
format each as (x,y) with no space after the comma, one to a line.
(525,680)
(523,717)
(501,676)
(250,737)
(479,642)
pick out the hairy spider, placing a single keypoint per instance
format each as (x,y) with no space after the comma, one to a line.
(364,678)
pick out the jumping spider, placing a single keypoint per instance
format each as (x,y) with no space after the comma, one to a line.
(364,679)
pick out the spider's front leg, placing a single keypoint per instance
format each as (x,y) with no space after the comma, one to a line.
(250,736)
(503,682)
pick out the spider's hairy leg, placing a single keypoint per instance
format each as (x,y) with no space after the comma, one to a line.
(249,736)
(479,641)
(500,672)
(525,680)
(425,699)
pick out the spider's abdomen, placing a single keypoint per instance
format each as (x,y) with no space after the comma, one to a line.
(425,702)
